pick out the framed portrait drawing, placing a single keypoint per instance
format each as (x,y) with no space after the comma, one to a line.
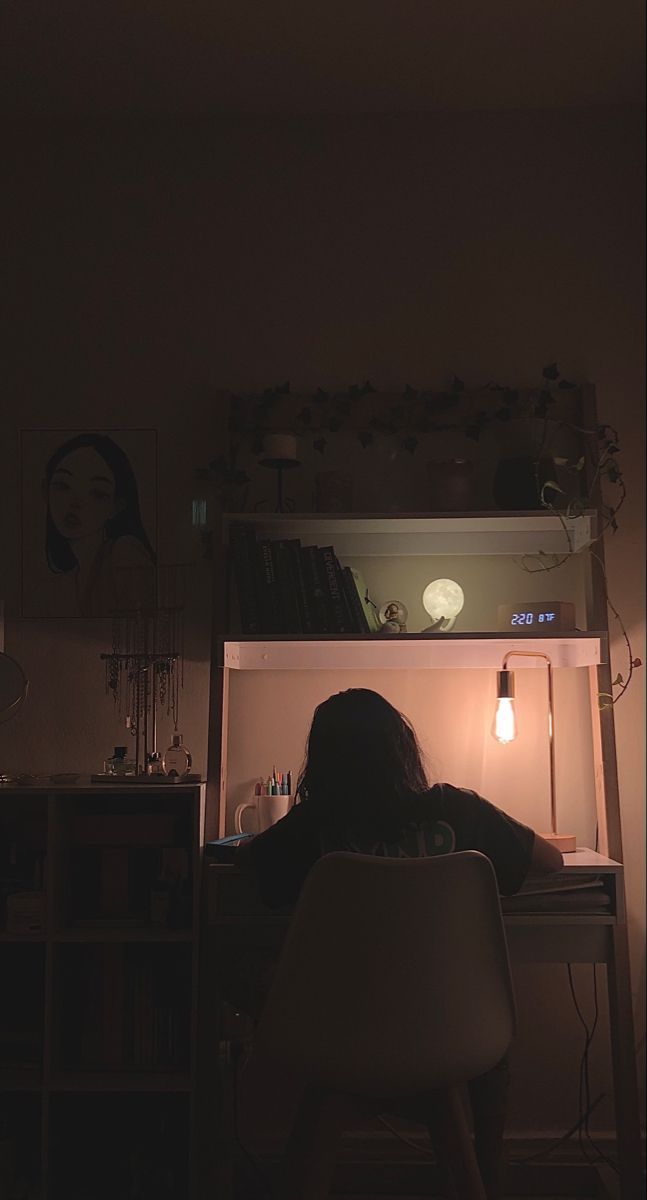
(88,505)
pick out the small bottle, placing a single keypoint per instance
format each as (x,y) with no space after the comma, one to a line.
(118,764)
(177,759)
(154,763)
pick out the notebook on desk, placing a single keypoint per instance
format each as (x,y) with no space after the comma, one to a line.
(224,849)
(559,893)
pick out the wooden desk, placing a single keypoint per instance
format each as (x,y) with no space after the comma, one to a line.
(236,924)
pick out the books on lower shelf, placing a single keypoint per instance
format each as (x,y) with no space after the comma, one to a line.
(286,588)
(124,1010)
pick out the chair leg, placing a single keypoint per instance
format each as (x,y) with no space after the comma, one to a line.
(311,1152)
(449,1132)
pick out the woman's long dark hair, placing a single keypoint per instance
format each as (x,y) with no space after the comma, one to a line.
(128,521)
(363,765)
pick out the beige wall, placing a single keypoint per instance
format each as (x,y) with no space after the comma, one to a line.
(149,266)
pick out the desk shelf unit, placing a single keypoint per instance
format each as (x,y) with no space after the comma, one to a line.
(98,1007)
(388,536)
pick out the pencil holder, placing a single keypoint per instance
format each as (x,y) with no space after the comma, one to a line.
(269,810)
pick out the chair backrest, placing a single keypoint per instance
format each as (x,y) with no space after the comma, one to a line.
(394,976)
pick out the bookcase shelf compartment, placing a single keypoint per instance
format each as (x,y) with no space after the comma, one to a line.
(386,535)
(123,1008)
(109,1146)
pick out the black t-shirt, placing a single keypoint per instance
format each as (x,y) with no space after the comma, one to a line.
(440,821)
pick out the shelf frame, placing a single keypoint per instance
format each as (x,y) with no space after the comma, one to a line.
(446,651)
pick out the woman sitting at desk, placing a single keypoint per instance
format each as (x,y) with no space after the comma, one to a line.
(381,803)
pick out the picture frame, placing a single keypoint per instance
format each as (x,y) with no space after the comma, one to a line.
(88,502)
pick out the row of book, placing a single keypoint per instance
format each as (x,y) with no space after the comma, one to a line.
(286,588)
(127,1009)
(137,885)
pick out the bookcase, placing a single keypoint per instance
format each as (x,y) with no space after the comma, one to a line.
(99,917)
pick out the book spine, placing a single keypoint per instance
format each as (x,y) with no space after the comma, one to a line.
(242,547)
(305,614)
(289,614)
(356,606)
(338,613)
(113,1007)
(315,585)
(268,588)
(349,615)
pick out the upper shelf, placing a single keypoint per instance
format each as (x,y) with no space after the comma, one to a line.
(411,651)
(358,535)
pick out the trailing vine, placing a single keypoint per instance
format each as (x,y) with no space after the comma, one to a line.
(404,419)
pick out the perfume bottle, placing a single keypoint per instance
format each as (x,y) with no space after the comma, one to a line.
(177,759)
(154,763)
(118,764)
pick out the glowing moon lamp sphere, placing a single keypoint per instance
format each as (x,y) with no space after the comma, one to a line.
(443,599)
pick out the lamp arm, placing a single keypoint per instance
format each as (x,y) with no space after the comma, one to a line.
(551,723)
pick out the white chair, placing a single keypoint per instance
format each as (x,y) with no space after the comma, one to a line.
(393,983)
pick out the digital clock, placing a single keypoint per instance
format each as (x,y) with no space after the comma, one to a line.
(537,616)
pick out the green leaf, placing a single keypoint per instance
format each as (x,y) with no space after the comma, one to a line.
(551,371)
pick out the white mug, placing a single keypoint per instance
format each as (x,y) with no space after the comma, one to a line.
(269,810)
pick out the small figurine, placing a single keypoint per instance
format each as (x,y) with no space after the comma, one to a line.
(393,617)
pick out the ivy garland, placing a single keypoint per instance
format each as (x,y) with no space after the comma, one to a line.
(407,418)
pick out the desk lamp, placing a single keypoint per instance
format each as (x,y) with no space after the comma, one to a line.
(280,454)
(505,731)
(442,599)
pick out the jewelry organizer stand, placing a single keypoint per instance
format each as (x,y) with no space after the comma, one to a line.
(144,672)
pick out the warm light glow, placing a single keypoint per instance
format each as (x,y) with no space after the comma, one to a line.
(505,724)
(443,598)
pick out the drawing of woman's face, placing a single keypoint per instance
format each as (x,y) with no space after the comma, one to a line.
(81,494)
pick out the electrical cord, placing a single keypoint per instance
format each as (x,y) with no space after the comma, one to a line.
(407,1141)
(564,1137)
(584,1080)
